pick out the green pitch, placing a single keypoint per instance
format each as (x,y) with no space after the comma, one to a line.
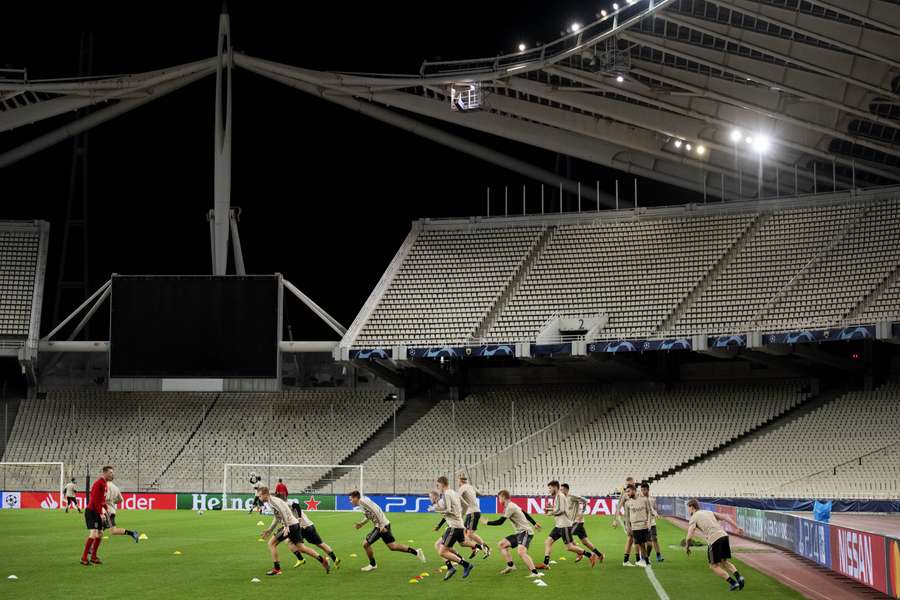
(220,554)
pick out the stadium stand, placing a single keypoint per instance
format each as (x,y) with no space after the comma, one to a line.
(448,282)
(486,422)
(179,442)
(768,266)
(23,256)
(822,454)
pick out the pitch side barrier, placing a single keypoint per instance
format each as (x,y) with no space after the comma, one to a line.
(869,558)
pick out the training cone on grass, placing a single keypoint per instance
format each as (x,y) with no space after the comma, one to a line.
(177,553)
(424,574)
(260,540)
(352,556)
(143,536)
(413,581)
(260,524)
(12,577)
(443,567)
(540,583)
(254,580)
(105,537)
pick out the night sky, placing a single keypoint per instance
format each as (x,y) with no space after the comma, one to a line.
(327,195)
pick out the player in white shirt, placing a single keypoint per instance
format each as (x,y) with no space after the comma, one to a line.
(446,502)
(308,529)
(382,530)
(521,539)
(113,497)
(70,493)
(718,548)
(563,526)
(290,532)
(576,514)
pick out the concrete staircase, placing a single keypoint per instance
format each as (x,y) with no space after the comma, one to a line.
(411,411)
(491,317)
(688,301)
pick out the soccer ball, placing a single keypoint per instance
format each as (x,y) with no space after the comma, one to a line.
(200,512)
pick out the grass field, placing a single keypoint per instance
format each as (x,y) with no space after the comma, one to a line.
(220,554)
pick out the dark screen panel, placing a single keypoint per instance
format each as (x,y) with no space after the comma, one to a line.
(208,326)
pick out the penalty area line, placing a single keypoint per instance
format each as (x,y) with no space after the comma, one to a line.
(656,585)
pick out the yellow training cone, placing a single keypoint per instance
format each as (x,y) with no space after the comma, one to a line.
(352,556)
(414,581)
(177,552)
(143,536)
(260,524)
(260,540)
(424,574)
(105,537)
(562,558)
(443,567)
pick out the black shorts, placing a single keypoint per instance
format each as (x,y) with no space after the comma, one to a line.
(111,520)
(719,550)
(453,535)
(387,537)
(578,530)
(523,538)
(71,501)
(472,521)
(640,536)
(653,537)
(561,532)
(292,533)
(311,535)
(93,520)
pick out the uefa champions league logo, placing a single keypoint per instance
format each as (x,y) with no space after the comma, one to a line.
(11,501)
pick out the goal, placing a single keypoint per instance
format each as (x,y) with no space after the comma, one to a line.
(30,477)
(301,480)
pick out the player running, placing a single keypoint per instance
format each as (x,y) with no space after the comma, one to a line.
(281,490)
(113,497)
(718,547)
(382,530)
(638,512)
(521,539)
(308,529)
(576,514)
(562,527)
(70,493)
(446,502)
(93,516)
(468,496)
(290,531)
(645,490)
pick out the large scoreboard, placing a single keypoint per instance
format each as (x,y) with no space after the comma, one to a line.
(168,327)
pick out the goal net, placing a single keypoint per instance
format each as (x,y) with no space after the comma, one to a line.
(31,484)
(302,481)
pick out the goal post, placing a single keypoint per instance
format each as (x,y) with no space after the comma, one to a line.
(301,480)
(18,477)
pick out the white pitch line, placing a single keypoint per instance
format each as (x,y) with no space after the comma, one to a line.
(656,585)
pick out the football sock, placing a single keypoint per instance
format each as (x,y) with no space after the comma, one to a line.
(463,563)
(587,554)
(96,546)
(731,581)
(332,556)
(129,532)
(625,559)
(509,563)
(546,559)
(534,571)
(87,548)
(277,565)
(737,575)
(299,555)
(411,551)
(372,561)
(321,559)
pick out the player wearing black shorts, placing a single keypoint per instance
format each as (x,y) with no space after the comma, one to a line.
(311,536)
(70,493)
(114,497)
(290,532)
(382,530)
(638,512)
(562,526)
(654,539)
(524,532)
(718,548)
(576,514)
(446,502)
(468,496)
(255,483)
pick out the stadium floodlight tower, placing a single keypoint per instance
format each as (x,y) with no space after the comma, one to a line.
(221,215)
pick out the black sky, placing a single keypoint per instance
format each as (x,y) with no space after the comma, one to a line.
(327,195)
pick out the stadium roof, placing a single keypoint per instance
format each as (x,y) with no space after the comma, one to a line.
(693,93)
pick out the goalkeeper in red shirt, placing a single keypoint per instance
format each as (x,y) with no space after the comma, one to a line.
(94,516)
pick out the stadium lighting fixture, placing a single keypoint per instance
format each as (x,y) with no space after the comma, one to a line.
(761,144)
(688,147)
(678,143)
(615,6)
(620,78)
(736,135)
(603,13)
(522,47)
(749,140)
(575,27)
(701,150)
(631,1)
